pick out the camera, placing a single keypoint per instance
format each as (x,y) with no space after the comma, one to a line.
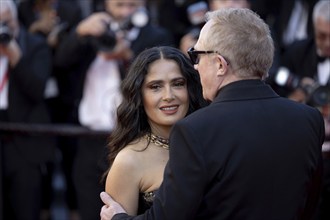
(5,33)
(317,95)
(107,41)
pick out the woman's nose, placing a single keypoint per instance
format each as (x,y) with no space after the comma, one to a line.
(168,95)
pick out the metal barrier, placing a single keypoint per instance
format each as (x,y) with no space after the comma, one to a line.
(68,130)
(50,129)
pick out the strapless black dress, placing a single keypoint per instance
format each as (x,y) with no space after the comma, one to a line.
(145,201)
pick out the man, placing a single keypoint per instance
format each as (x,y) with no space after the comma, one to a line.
(53,20)
(95,56)
(308,63)
(290,20)
(25,66)
(250,154)
(307,60)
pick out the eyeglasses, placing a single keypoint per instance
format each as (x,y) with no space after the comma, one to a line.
(193,54)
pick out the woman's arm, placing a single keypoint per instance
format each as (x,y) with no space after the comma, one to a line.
(123,181)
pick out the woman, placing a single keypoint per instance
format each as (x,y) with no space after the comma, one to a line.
(161,87)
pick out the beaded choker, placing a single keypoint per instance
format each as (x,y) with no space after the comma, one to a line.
(159,141)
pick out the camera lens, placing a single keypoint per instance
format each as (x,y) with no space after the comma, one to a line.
(319,96)
(107,41)
(5,35)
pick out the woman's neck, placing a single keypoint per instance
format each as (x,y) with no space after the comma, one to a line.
(163,132)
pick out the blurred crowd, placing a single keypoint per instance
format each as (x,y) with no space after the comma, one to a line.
(62,62)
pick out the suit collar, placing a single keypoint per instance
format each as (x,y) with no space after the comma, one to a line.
(244,90)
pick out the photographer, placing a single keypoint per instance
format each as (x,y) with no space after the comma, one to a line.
(304,76)
(52,20)
(96,55)
(25,66)
(306,62)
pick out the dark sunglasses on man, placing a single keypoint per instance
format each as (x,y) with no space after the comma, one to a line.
(194,54)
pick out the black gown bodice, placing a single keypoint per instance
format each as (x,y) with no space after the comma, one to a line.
(145,201)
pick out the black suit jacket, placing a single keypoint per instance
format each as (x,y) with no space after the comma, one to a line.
(301,58)
(249,155)
(26,104)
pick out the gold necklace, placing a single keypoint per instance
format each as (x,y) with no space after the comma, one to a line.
(159,141)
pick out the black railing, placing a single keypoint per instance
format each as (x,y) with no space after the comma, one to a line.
(50,129)
(68,130)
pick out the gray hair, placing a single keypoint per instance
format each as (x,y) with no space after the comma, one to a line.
(9,4)
(322,10)
(243,38)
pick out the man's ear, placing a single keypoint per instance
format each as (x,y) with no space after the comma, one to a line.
(222,65)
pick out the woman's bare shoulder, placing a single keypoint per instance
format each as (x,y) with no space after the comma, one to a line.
(132,155)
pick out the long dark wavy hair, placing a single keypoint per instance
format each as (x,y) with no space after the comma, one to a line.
(132,121)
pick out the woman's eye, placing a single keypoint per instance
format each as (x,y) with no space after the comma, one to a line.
(179,84)
(154,86)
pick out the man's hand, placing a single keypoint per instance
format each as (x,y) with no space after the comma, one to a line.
(94,25)
(46,22)
(13,51)
(110,208)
